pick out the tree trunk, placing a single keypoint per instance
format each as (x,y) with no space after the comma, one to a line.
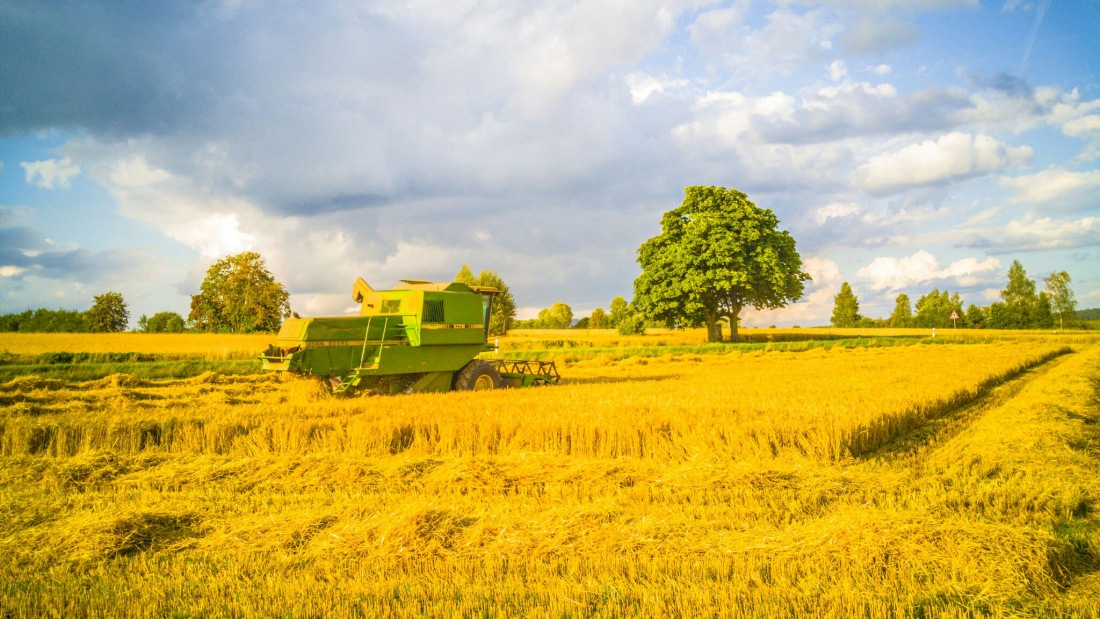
(712,326)
(733,324)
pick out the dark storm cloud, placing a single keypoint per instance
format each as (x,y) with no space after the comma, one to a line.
(104,67)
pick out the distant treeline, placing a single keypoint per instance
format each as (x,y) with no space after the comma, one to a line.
(71,321)
(1089,314)
(46,321)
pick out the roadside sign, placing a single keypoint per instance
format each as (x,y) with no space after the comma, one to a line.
(954,317)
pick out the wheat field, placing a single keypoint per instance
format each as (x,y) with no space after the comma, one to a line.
(917,479)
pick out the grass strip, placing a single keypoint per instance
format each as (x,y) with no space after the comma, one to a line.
(143,369)
(623,352)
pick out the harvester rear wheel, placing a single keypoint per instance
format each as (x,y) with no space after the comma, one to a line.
(478,375)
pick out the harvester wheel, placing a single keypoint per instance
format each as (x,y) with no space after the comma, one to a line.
(478,375)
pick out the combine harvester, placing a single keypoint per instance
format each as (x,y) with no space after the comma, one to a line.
(420,336)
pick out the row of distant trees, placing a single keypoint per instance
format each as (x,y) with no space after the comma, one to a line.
(108,313)
(238,295)
(623,316)
(1022,306)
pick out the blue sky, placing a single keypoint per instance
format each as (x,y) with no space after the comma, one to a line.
(906,145)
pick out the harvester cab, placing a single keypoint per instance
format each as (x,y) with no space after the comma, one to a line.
(419,336)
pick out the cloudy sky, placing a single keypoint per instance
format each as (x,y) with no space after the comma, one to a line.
(905,144)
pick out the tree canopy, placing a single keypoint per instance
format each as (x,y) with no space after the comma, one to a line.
(716,254)
(557,316)
(239,295)
(845,307)
(43,320)
(503,313)
(598,319)
(1061,296)
(161,322)
(620,309)
(1021,307)
(108,314)
(903,312)
(934,309)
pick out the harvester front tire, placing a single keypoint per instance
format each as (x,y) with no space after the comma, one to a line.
(478,375)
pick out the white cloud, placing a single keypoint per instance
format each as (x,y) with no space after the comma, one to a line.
(967,270)
(1083,126)
(1038,233)
(1019,108)
(1054,184)
(714,26)
(836,210)
(888,273)
(136,172)
(1086,128)
(837,70)
(210,224)
(50,173)
(214,236)
(814,307)
(10,271)
(723,118)
(882,69)
(563,46)
(787,40)
(953,156)
(643,86)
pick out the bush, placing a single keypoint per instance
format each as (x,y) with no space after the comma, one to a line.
(632,324)
(162,322)
(54,358)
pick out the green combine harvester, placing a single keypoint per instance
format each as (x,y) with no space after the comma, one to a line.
(420,336)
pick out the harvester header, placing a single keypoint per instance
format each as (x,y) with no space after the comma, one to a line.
(418,336)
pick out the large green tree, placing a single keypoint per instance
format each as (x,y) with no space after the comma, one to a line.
(1061,296)
(109,313)
(716,254)
(845,307)
(239,295)
(503,313)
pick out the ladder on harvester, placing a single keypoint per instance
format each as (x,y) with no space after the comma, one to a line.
(342,384)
